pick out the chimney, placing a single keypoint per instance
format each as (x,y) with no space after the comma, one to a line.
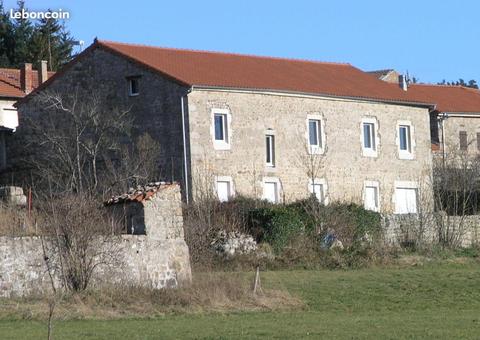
(26,78)
(402,82)
(42,72)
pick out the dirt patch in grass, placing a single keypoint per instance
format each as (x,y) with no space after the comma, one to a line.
(209,292)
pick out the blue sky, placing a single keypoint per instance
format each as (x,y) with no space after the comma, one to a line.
(433,40)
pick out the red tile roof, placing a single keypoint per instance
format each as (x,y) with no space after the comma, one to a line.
(448,98)
(140,194)
(227,70)
(10,82)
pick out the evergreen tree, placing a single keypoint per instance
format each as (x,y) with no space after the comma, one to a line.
(7,39)
(460,82)
(51,42)
(24,40)
(23,31)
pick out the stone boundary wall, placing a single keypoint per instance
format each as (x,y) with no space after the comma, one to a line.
(404,228)
(159,259)
(141,262)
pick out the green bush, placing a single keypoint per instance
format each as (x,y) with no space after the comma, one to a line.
(275,225)
(350,222)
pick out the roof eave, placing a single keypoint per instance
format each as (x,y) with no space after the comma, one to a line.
(312,94)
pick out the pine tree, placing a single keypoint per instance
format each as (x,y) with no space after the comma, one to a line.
(7,39)
(25,40)
(51,42)
(23,31)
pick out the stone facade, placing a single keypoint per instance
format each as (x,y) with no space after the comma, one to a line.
(344,168)
(156,109)
(453,125)
(158,259)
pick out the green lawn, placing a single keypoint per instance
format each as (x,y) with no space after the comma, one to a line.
(434,301)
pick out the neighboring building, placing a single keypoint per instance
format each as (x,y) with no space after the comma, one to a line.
(389,75)
(16,84)
(254,125)
(455,118)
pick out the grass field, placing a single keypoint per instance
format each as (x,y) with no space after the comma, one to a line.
(431,301)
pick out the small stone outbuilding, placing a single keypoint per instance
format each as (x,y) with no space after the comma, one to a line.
(152,251)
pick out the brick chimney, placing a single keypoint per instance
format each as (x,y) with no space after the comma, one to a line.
(42,71)
(26,78)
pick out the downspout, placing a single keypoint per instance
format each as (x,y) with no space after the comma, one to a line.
(185,160)
(442,120)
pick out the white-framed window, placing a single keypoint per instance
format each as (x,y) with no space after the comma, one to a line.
(371,195)
(133,86)
(406,197)
(224,188)
(319,188)
(220,129)
(315,134)
(405,140)
(270,150)
(369,137)
(271,189)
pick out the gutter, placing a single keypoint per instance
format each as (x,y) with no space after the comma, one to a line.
(184,135)
(461,114)
(311,95)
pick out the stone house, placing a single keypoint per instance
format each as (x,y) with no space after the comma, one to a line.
(16,84)
(455,118)
(388,75)
(278,129)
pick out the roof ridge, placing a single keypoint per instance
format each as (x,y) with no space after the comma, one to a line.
(224,53)
(8,69)
(378,71)
(439,85)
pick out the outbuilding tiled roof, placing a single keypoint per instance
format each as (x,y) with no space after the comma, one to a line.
(228,70)
(10,82)
(139,194)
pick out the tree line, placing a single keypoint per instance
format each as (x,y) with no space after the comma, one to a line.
(25,40)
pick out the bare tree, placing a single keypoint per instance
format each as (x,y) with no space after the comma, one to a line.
(456,187)
(77,240)
(84,143)
(311,161)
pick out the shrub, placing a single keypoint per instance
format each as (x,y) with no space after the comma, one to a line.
(204,219)
(350,222)
(275,225)
(294,231)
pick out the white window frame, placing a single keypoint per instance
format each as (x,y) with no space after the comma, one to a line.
(320,148)
(224,144)
(406,154)
(279,188)
(271,134)
(323,183)
(404,185)
(370,152)
(371,184)
(130,86)
(230,182)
